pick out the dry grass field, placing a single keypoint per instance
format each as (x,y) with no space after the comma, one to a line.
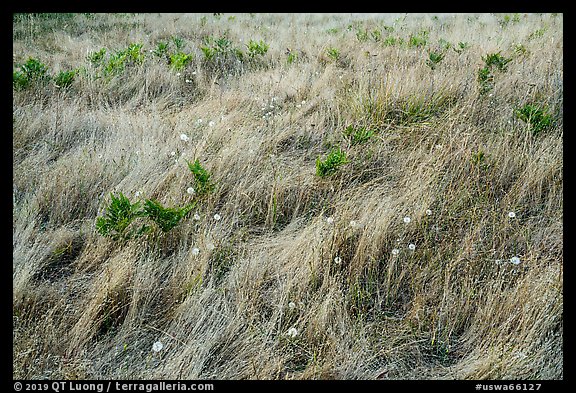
(376,196)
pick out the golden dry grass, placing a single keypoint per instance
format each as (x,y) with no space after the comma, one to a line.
(85,306)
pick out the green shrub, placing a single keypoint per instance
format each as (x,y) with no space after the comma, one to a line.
(118,216)
(335,159)
(30,72)
(178,61)
(497,60)
(166,217)
(434,59)
(202,183)
(65,78)
(256,48)
(357,135)
(536,116)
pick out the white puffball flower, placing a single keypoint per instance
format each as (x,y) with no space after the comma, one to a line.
(337,260)
(292,332)
(173,153)
(395,251)
(199,121)
(412,246)
(178,74)
(188,81)
(157,346)
(330,220)
(196,216)
(353,224)
(190,190)
(428,212)
(407,219)
(211,124)
(217,217)
(195,251)
(511,214)
(184,137)
(291,305)
(515,260)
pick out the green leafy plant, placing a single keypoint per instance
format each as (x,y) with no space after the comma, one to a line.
(161,49)
(179,60)
(166,217)
(461,47)
(357,135)
(418,40)
(536,116)
(117,218)
(178,43)
(479,159)
(329,166)
(434,58)
(292,56)
(202,183)
(96,58)
(333,53)
(256,48)
(65,78)
(28,73)
(496,60)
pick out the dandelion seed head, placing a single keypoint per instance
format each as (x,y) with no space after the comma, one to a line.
(157,346)
(184,137)
(173,153)
(211,124)
(196,216)
(195,251)
(515,260)
(406,219)
(428,212)
(337,260)
(412,246)
(217,217)
(353,224)
(292,305)
(190,190)
(511,214)
(329,220)
(292,332)
(395,251)
(137,194)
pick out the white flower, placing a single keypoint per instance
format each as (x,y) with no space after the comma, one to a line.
(515,260)
(511,214)
(137,152)
(292,332)
(395,251)
(303,102)
(188,81)
(353,224)
(337,260)
(137,194)
(184,137)
(217,217)
(100,156)
(199,121)
(330,220)
(196,216)
(406,219)
(195,251)
(438,146)
(428,212)
(157,346)
(178,74)
(291,305)
(211,124)
(193,72)
(412,246)
(190,190)
(298,106)
(173,153)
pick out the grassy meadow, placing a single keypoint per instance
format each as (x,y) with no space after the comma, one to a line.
(287,196)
